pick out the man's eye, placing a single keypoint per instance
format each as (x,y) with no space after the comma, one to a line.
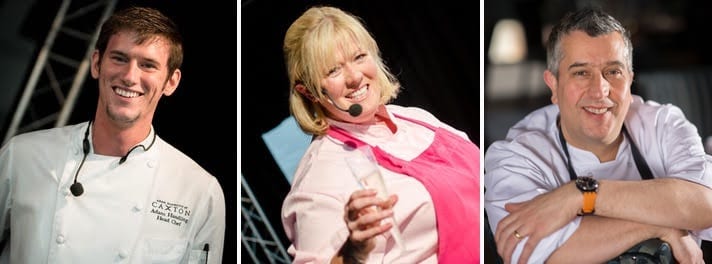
(117,58)
(615,72)
(580,73)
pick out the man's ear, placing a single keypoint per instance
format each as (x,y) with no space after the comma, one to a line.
(303,90)
(95,61)
(172,83)
(552,83)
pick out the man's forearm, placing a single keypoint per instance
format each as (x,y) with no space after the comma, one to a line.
(665,202)
(599,239)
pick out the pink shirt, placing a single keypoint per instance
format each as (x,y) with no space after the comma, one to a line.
(312,213)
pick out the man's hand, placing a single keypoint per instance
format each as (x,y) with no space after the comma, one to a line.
(536,219)
(684,247)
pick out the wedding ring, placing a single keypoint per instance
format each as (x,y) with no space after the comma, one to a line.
(517,235)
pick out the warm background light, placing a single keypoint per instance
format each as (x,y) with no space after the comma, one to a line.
(508,44)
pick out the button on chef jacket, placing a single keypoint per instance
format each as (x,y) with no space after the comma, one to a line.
(159,206)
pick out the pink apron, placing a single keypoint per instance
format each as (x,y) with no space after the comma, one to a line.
(449,169)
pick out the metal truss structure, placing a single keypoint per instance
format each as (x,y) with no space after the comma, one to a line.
(257,234)
(62,64)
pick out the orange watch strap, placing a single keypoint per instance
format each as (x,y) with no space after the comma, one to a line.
(589,201)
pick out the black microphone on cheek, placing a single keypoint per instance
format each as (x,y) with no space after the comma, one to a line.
(354,110)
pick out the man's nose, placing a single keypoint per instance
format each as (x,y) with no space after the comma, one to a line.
(130,74)
(600,87)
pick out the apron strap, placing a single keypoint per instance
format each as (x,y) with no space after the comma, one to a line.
(640,163)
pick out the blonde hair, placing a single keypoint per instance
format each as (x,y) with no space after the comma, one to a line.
(308,47)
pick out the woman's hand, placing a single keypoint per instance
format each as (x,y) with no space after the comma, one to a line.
(363,214)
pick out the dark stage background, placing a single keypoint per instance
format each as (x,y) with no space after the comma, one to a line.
(200,118)
(432,47)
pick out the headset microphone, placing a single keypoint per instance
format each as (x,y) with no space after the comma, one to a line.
(76,188)
(354,110)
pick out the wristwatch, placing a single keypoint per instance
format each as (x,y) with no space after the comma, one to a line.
(588,187)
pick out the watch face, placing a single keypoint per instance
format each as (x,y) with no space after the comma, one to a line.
(587,184)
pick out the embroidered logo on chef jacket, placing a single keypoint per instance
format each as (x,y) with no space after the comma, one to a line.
(170,212)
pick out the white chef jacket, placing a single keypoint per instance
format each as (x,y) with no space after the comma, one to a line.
(313,211)
(159,206)
(530,161)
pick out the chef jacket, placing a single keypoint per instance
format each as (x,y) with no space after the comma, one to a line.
(530,161)
(159,206)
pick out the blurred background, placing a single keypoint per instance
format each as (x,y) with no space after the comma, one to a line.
(671,58)
(432,47)
(206,93)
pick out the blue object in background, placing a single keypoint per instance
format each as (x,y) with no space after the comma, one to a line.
(287,143)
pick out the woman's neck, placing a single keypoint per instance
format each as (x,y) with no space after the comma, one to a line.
(382,116)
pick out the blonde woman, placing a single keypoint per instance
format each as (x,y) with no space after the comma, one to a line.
(340,90)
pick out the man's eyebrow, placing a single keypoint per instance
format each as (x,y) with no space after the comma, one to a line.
(577,64)
(116,52)
(615,62)
(123,54)
(582,64)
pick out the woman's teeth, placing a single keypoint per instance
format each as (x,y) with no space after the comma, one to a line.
(358,94)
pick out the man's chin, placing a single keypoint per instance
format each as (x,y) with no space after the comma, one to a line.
(123,119)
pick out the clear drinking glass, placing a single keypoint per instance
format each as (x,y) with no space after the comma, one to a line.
(366,171)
